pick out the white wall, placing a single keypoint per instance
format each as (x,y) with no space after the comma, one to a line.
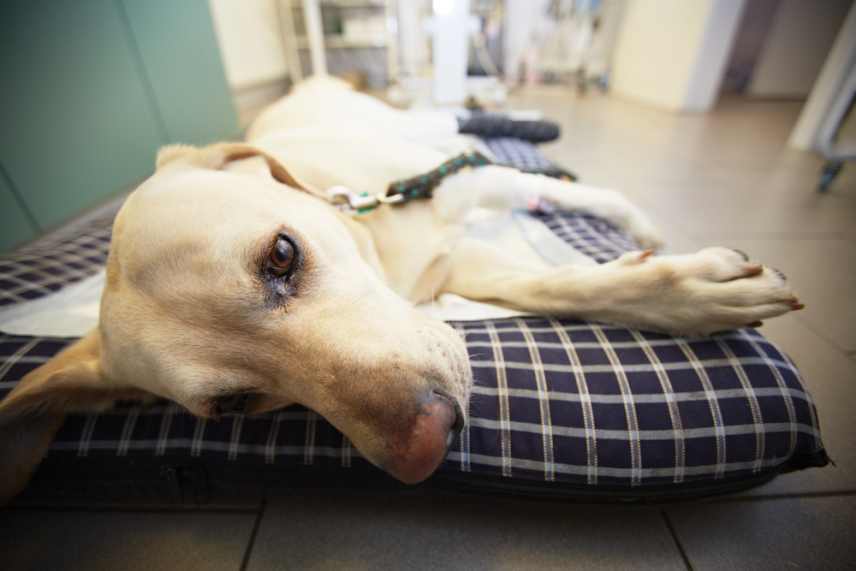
(672,53)
(250,41)
(799,39)
(720,30)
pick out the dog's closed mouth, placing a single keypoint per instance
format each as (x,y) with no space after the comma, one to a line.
(458,424)
(235,403)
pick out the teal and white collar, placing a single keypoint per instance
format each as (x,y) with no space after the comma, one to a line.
(403,191)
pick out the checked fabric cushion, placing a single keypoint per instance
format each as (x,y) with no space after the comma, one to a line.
(524,156)
(566,405)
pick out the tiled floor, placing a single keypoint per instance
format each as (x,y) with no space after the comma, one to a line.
(722,178)
(110,540)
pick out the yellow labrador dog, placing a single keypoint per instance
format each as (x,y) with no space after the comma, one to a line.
(233,284)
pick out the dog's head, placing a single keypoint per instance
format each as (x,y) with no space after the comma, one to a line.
(229,290)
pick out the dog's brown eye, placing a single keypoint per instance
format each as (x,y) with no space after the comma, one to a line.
(282,256)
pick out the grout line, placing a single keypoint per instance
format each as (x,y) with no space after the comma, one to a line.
(784,496)
(777,236)
(245,560)
(677,541)
(140,65)
(129,509)
(19,200)
(832,343)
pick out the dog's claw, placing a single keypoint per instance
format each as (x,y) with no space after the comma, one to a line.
(637,257)
(743,254)
(732,293)
(779,273)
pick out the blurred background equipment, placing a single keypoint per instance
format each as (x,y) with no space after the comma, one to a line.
(341,36)
(121,78)
(837,139)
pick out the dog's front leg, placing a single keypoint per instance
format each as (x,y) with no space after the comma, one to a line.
(715,289)
(504,188)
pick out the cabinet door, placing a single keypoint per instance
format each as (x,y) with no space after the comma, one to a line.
(15,226)
(78,123)
(182,62)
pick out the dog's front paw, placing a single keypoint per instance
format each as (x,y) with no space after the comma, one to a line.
(717,289)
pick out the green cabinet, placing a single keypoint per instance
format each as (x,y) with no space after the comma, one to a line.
(15,225)
(91,89)
(179,52)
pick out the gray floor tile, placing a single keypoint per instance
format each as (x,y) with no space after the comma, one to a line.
(407,532)
(831,379)
(727,172)
(42,540)
(799,533)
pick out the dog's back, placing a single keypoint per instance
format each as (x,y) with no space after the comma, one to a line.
(324,101)
(323,122)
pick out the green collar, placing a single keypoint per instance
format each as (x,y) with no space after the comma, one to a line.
(403,191)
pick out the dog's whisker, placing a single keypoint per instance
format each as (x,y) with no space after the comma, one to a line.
(474,408)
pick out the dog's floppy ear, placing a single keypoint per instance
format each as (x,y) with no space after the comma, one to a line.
(35,409)
(216,156)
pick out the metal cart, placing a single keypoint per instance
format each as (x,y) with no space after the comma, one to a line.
(837,139)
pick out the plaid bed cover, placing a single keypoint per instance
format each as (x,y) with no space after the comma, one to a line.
(559,401)
(525,156)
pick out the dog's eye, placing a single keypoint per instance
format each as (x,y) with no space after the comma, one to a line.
(282,256)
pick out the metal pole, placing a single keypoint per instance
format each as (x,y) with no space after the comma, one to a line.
(289,39)
(315,36)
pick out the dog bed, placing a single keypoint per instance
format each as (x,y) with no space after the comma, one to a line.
(560,407)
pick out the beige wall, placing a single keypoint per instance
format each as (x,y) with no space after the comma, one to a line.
(672,53)
(796,46)
(249,36)
(656,49)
